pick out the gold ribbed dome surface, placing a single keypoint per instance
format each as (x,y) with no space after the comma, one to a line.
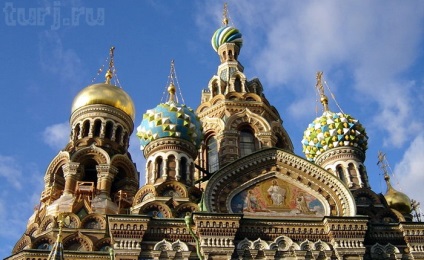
(397,200)
(105,94)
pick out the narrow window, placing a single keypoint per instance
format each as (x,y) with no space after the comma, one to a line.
(109,129)
(212,159)
(76,132)
(97,127)
(86,128)
(183,169)
(159,167)
(247,143)
(341,173)
(118,134)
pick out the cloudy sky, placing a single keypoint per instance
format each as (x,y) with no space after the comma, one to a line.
(371,52)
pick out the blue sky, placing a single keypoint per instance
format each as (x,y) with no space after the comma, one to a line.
(371,52)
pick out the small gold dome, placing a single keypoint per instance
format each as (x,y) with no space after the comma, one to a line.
(106,94)
(397,200)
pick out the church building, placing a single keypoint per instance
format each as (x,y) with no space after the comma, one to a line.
(222,181)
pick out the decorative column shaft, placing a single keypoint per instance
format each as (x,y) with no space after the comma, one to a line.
(71,174)
(105,175)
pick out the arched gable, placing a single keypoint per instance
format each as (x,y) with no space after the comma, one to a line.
(98,154)
(123,161)
(287,169)
(208,123)
(258,123)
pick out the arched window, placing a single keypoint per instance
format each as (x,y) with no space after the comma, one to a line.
(183,169)
(118,134)
(340,172)
(214,89)
(76,132)
(246,143)
(159,167)
(86,128)
(97,127)
(109,130)
(212,154)
(90,171)
(237,84)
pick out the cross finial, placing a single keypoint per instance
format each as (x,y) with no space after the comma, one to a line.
(320,88)
(109,73)
(225,15)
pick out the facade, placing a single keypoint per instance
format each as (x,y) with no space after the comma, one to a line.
(222,181)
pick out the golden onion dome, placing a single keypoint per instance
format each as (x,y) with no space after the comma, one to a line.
(105,94)
(397,200)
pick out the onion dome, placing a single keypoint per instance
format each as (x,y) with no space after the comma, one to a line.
(333,130)
(226,34)
(170,119)
(397,200)
(105,94)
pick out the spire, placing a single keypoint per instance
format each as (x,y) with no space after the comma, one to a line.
(225,15)
(57,251)
(109,73)
(172,79)
(320,88)
(173,85)
(382,162)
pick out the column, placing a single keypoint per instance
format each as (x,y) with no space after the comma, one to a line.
(71,174)
(105,175)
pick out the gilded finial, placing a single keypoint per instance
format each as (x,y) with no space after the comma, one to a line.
(109,73)
(171,87)
(225,15)
(320,87)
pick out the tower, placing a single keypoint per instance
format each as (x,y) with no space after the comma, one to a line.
(237,118)
(92,176)
(170,135)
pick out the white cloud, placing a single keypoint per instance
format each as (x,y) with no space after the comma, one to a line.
(18,196)
(57,136)
(56,59)
(11,171)
(410,170)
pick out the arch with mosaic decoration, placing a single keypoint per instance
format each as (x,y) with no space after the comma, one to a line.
(272,164)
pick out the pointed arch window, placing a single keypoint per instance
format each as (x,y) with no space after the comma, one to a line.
(212,154)
(246,142)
